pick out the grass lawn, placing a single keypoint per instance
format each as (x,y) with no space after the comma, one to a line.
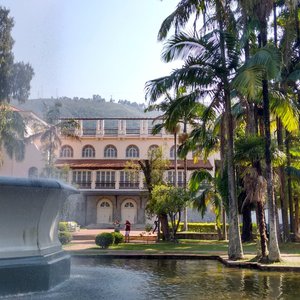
(184,246)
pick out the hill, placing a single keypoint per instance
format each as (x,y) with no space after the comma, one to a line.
(86,108)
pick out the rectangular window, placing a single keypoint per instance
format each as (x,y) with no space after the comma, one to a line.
(129,180)
(83,179)
(105,179)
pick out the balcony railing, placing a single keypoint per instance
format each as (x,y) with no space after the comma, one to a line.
(105,185)
(132,131)
(83,185)
(111,131)
(129,185)
(89,131)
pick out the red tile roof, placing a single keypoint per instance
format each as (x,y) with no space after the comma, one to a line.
(119,164)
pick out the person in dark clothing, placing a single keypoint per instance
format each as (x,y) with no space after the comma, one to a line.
(127,231)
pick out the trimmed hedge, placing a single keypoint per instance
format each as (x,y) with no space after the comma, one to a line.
(208,227)
(104,240)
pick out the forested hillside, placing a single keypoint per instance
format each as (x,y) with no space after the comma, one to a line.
(96,107)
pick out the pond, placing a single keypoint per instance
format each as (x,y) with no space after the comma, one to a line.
(98,278)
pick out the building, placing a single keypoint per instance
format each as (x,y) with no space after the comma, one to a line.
(33,163)
(96,164)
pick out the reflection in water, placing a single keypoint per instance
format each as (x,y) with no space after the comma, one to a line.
(169,279)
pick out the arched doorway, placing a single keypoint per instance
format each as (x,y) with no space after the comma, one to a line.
(129,211)
(104,211)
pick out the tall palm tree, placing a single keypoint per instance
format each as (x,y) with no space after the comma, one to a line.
(206,71)
(50,133)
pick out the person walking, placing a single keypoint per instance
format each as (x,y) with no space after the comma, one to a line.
(127,231)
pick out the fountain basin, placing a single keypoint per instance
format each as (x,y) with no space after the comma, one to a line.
(31,257)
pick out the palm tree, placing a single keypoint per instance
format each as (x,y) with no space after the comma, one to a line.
(50,133)
(205,191)
(206,72)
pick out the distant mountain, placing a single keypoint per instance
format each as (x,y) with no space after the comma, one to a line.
(86,108)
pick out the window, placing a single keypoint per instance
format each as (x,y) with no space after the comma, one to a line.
(104,204)
(172,152)
(66,151)
(129,205)
(33,172)
(132,151)
(152,147)
(88,151)
(171,177)
(129,180)
(105,179)
(82,178)
(110,151)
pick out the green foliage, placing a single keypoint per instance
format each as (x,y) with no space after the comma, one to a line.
(148,227)
(64,237)
(12,133)
(63,226)
(208,227)
(14,77)
(104,240)
(117,237)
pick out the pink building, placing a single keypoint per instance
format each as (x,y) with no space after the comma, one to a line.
(96,163)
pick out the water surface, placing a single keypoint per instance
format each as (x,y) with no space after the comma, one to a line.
(99,278)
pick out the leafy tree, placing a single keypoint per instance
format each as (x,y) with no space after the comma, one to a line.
(171,201)
(14,77)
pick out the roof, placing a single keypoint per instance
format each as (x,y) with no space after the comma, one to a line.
(119,164)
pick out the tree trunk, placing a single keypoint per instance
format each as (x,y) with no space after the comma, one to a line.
(235,250)
(289,182)
(165,227)
(185,181)
(296,230)
(274,253)
(260,213)
(247,225)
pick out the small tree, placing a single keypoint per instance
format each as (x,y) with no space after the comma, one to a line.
(171,201)
(153,169)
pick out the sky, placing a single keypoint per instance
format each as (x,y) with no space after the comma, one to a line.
(80,48)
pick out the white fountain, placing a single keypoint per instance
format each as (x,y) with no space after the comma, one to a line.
(31,257)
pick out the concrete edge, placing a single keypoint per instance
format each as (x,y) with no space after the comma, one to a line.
(192,256)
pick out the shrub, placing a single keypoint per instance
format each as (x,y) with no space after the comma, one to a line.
(118,238)
(64,237)
(209,227)
(148,227)
(63,226)
(104,240)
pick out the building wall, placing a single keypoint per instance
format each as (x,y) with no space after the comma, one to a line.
(33,158)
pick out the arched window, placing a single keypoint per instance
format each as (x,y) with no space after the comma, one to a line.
(88,151)
(66,151)
(132,151)
(33,172)
(152,147)
(129,205)
(110,151)
(172,152)
(104,204)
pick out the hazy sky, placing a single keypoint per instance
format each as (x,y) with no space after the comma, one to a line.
(85,47)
